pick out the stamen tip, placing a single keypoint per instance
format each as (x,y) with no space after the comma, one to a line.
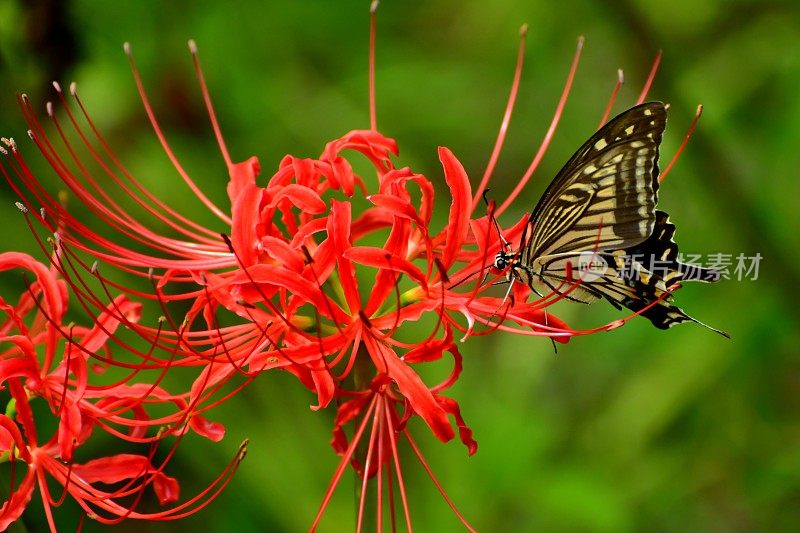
(581,40)
(73,89)
(94,268)
(523,30)
(615,324)
(192,46)
(21,207)
(57,86)
(699,109)
(373,7)
(24,97)
(50,110)
(126,47)
(620,76)
(3,151)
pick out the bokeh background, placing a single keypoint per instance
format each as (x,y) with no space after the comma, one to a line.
(637,429)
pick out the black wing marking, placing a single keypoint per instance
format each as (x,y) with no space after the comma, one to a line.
(659,255)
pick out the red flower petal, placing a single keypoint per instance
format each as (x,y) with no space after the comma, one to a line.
(244,230)
(464,432)
(213,431)
(339,234)
(380,258)
(461,192)
(128,466)
(243,178)
(397,206)
(283,252)
(301,196)
(412,387)
(14,507)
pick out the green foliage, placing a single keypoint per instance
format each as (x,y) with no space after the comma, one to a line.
(633,430)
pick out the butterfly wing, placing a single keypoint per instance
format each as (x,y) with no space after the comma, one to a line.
(595,233)
(605,196)
(639,278)
(618,278)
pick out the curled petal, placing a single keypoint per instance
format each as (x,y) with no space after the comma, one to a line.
(397,206)
(122,467)
(301,197)
(461,192)
(464,432)
(339,233)
(283,252)
(69,429)
(13,435)
(14,507)
(47,281)
(243,178)
(213,431)
(370,143)
(108,322)
(380,258)
(323,384)
(412,387)
(244,232)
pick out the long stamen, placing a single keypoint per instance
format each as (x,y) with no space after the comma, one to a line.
(650,78)
(614,93)
(337,476)
(148,195)
(550,131)
(212,116)
(683,144)
(501,135)
(373,116)
(165,145)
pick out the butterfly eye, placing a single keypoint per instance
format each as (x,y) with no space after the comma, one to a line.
(500,261)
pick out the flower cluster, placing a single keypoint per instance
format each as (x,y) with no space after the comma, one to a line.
(317,271)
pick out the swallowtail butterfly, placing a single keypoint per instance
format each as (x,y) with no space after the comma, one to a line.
(596,233)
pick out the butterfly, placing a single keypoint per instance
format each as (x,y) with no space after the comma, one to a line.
(596,233)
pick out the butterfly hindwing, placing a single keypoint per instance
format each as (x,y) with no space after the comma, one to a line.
(619,278)
(659,254)
(588,276)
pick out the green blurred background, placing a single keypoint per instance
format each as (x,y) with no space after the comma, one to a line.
(637,429)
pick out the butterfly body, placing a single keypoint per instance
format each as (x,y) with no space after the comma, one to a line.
(596,233)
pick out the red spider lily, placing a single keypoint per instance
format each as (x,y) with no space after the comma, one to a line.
(130,473)
(311,285)
(59,374)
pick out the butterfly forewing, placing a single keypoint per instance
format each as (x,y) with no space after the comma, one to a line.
(605,196)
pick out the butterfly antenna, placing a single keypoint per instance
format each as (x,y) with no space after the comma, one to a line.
(490,208)
(465,278)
